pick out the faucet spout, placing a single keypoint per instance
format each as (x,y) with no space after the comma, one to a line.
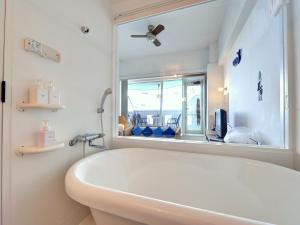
(85,138)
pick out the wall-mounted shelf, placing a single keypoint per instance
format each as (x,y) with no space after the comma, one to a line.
(23,106)
(23,150)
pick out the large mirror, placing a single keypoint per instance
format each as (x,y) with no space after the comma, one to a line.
(210,72)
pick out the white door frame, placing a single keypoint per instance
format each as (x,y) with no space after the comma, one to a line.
(186,83)
(2,44)
(7,152)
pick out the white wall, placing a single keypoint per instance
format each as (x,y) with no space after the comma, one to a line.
(36,191)
(231,19)
(213,53)
(167,64)
(235,17)
(215,80)
(296,25)
(261,43)
(215,98)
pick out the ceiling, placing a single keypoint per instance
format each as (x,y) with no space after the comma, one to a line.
(186,29)
(116,1)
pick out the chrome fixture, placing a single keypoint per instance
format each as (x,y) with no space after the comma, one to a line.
(85,29)
(107,92)
(84,138)
(87,138)
(91,137)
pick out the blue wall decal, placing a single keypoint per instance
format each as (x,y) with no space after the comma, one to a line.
(238,58)
(260,89)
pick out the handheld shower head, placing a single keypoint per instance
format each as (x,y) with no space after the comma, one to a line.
(107,92)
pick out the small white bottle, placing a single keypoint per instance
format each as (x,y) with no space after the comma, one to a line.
(53,94)
(38,94)
(46,136)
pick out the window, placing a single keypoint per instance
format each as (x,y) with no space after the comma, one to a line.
(144,99)
(178,103)
(172,101)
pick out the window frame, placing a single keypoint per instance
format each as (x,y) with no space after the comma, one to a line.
(184,79)
(286,90)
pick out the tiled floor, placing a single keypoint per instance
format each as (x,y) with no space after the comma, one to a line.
(88,221)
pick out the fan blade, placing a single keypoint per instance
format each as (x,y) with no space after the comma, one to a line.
(138,36)
(158,29)
(156,43)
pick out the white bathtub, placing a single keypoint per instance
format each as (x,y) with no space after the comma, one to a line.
(159,187)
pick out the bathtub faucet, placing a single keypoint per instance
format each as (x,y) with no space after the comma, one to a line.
(87,138)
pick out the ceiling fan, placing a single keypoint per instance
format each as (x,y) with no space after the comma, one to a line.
(151,34)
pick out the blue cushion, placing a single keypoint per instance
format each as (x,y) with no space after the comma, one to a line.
(137,131)
(169,132)
(158,132)
(147,132)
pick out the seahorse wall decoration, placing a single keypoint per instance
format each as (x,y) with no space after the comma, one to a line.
(260,87)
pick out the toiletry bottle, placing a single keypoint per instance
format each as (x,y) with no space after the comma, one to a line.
(46,136)
(54,94)
(38,94)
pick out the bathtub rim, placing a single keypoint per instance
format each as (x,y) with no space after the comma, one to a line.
(279,156)
(104,199)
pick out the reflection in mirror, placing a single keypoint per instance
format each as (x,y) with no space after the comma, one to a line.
(210,72)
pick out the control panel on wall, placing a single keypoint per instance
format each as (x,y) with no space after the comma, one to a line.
(41,49)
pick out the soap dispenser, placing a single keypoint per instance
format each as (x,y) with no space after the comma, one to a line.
(53,93)
(38,94)
(46,136)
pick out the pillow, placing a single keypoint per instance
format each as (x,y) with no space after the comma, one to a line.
(242,135)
